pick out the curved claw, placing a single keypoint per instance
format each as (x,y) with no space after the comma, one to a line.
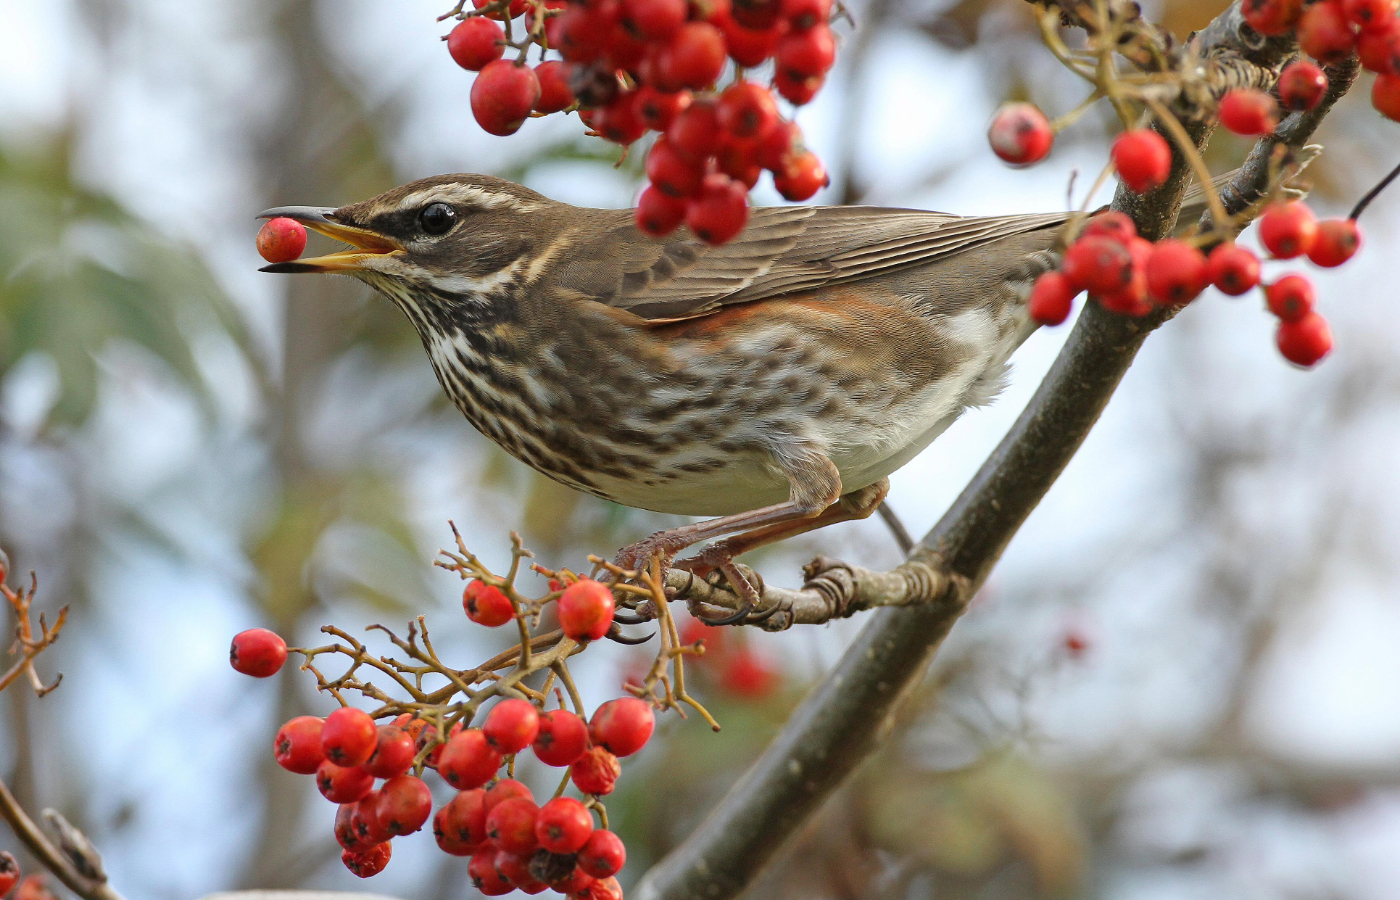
(627,619)
(620,638)
(764,616)
(733,618)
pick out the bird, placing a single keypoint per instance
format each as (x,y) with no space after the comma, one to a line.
(771,383)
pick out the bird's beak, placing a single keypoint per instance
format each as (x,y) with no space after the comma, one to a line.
(363,242)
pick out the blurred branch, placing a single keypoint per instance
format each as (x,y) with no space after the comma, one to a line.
(73,860)
(27,644)
(845,718)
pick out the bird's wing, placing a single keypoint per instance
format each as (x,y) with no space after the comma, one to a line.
(788,250)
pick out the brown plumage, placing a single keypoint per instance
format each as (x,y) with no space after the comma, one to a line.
(760,381)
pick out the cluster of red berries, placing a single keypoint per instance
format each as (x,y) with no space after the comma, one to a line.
(1330,31)
(1130,275)
(513,842)
(634,66)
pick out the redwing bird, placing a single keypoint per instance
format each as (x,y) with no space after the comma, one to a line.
(772,382)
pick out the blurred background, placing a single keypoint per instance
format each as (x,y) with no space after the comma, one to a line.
(1183,681)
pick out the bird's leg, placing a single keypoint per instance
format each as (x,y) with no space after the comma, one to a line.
(720,557)
(816,487)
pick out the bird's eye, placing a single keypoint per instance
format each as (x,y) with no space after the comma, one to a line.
(437,218)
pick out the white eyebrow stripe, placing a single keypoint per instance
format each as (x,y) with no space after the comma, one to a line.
(464,193)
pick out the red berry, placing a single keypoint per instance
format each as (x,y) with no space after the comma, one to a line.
(695,131)
(1110,224)
(695,56)
(511,725)
(1385,96)
(1301,85)
(343,784)
(511,824)
(281,240)
(1098,264)
(1232,269)
(487,605)
(582,32)
(9,872)
(369,861)
(601,889)
(1369,15)
(801,176)
(673,174)
(349,736)
(715,215)
(505,789)
(653,20)
(393,753)
(602,855)
(1131,299)
(1176,272)
(586,607)
(747,110)
(405,803)
(448,840)
(560,872)
(1249,112)
(806,54)
(34,887)
(515,868)
(464,819)
(503,95)
(658,108)
(755,13)
(563,738)
(797,89)
(751,47)
(1290,298)
(1051,299)
(1325,34)
(1020,134)
(364,818)
(476,42)
(657,214)
(773,149)
(257,651)
(619,121)
(1288,229)
(736,161)
(623,726)
(297,745)
(1306,341)
(563,825)
(515,8)
(1272,17)
(596,772)
(804,14)
(1143,159)
(468,760)
(555,94)
(1379,51)
(484,874)
(346,833)
(1337,241)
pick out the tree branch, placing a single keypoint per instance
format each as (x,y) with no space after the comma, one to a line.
(847,715)
(54,859)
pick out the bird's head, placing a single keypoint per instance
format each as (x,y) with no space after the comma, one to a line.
(452,241)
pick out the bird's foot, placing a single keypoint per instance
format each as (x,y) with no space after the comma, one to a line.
(718,558)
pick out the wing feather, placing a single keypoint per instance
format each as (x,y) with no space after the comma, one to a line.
(788,250)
